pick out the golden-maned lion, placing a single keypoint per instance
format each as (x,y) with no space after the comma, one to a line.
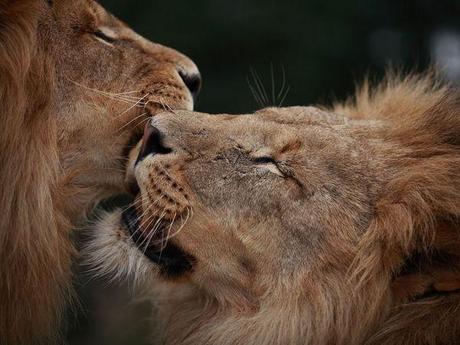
(300,225)
(75,86)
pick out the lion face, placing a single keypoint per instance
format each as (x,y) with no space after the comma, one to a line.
(247,209)
(296,225)
(109,80)
(279,175)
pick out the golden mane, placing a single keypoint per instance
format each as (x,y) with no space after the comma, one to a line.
(419,213)
(67,126)
(34,243)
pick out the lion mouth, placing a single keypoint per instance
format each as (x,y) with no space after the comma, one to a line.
(173,261)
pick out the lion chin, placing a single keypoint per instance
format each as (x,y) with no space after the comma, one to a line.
(77,87)
(298,225)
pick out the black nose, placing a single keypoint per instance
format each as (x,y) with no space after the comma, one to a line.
(193,83)
(152,143)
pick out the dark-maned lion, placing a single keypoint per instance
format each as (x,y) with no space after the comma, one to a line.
(76,85)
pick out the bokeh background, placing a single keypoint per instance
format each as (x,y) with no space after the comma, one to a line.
(300,52)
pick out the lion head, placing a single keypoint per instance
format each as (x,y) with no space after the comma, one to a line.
(77,86)
(299,225)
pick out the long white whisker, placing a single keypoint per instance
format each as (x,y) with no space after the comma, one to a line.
(169,228)
(113,96)
(183,223)
(140,219)
(154,229)
(132,106)
(132,120)
(254,93)
(260,86)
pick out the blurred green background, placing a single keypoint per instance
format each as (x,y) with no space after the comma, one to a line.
(321,49)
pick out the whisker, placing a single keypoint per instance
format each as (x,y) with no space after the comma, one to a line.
(113,96)
(169,231)
(157,101)
(257,88)
(283,83)
(127,207)
(254,93)
(127,92)
(132,106)
(140,217)
(150,217)
(136,203)
(182,223)
(167,107)
(164,243)
(132,120)
(284,96)
(153,231)
(260,86)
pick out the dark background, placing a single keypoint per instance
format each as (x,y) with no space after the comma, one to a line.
(322,48)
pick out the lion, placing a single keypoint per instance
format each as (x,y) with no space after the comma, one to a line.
(76,87)
(298,225)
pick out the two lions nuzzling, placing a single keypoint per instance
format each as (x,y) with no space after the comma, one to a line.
(297,225)
(291,226)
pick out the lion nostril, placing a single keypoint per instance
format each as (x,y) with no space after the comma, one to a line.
(193,83)
(152,143)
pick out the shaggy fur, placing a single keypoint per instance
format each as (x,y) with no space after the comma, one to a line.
(35,249)
(351,236)
(68,113)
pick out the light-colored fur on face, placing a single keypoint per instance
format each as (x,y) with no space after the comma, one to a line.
(304,226)
(76,87)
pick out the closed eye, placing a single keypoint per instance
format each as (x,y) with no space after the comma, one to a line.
(104,37)
(263,160)
(268,163)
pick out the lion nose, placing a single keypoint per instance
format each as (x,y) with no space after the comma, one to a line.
(192,81)
(152,143)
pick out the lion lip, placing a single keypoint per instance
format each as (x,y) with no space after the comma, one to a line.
(172,260)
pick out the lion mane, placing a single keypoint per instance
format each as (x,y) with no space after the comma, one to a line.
(414,234)
(63,120)
(34,241)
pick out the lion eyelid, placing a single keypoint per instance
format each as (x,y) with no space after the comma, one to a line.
(103,36)
(269,164)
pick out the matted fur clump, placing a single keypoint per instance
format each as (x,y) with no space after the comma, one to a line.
(299,225)
(68,120)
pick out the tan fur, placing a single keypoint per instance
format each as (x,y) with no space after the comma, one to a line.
(63,136)
(357,242)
